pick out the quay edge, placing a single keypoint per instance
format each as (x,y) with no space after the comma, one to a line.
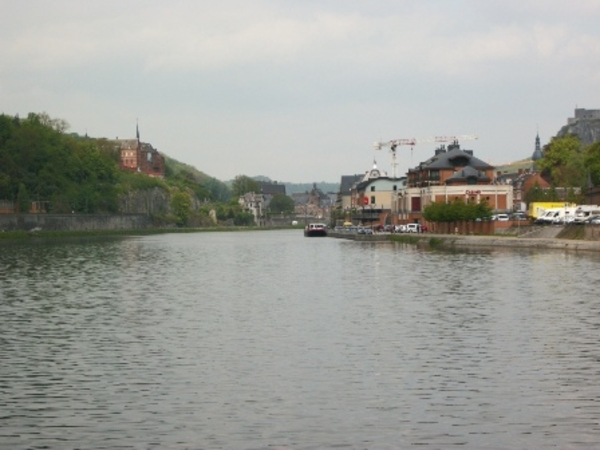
(446,240)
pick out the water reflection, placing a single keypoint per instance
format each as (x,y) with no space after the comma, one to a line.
(266,339)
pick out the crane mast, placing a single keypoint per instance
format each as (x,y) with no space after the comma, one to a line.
(393,144)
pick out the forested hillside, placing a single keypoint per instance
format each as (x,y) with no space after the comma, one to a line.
(40,162)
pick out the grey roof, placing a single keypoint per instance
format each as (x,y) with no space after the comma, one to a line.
(454,157)
(468,172)
(271,188)
(348,181)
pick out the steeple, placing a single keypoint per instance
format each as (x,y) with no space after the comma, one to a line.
(537,154)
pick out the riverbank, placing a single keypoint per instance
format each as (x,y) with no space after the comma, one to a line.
(37,234)
(455,240)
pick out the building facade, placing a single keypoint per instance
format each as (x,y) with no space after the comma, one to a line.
(140,157)
(452,174)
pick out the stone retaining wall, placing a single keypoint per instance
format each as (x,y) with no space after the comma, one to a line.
(73,222)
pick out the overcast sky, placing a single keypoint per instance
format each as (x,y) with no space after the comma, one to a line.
(298,90)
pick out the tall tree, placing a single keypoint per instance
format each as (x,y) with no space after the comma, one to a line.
(563,161)
(281,204)
(243,184)
(592,164)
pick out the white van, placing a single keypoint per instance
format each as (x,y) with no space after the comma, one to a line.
(412,228)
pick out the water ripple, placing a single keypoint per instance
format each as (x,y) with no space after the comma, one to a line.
(260,340)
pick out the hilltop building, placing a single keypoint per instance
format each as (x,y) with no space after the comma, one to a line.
(140,157)
(585,125)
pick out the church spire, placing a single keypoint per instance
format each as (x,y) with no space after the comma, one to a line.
(537,153)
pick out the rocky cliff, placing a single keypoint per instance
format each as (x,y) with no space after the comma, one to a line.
(154,201)
(588,130)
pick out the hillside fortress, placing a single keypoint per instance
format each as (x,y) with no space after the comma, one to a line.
(584,114)
(585,125)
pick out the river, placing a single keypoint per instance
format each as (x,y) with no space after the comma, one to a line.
(269,340)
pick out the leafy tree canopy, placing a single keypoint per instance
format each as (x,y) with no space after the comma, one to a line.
(563,161)
(456,211)
(281,204)
(242,184)
(592,164)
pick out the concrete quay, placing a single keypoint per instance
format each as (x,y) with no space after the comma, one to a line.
(456,240)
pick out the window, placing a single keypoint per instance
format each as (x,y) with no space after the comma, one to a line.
(372,200)
(372,188)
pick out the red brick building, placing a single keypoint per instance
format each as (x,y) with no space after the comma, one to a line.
(451,174)
(141,157)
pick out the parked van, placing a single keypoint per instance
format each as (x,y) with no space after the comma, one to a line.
(413,228)
(556,216)
(584,212)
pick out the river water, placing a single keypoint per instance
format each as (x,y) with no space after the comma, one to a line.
(269,340)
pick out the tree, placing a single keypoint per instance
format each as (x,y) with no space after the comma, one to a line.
(243,184)
(456,211)
(592,163)
(281,204)
(220,191)
(563,161)
(181,204)
(23,199)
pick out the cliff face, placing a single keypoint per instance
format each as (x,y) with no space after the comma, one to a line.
(152,201)
(588,130)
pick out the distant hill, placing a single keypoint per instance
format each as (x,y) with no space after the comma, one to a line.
(219,190)
(514,167)
(178,167)
(299,188)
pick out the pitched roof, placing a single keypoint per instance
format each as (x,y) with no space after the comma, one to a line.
(271,188)
(468,172)
(348,181)
(453,157)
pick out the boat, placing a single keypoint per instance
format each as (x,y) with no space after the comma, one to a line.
(315,230)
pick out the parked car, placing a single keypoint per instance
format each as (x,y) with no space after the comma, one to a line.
(519,216)
(365,230)
(502,217)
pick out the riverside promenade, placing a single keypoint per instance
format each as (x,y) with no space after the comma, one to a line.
(457,240)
